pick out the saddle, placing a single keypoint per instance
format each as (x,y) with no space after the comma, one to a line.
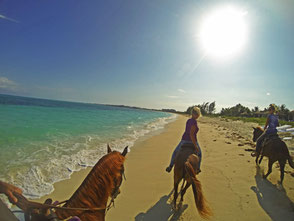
(269,138)
(189,146)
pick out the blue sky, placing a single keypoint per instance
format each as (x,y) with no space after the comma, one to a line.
(143,53)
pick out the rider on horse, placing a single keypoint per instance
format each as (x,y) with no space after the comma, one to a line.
(269,129)
(189,137)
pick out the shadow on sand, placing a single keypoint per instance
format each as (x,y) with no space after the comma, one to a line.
(273,199)
(161,211)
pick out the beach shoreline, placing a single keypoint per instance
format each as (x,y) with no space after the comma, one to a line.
(63,189)
(231,183)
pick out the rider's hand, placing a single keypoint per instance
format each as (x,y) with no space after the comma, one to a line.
(9,191)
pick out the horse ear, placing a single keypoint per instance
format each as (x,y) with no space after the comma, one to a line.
(108,149)
(124,153)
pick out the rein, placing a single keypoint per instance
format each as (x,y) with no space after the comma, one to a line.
(27,205)
(116,192)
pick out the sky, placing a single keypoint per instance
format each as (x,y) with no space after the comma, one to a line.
(144,53)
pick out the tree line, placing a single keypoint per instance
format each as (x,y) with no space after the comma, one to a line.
(206,108)
(239,110)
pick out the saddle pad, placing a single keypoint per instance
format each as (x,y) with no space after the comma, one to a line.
(188,145)
(273,136)
(270,138)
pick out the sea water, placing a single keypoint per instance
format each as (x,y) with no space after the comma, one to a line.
(45,141)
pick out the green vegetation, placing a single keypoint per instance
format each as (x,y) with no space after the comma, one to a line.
(240,112)
(261,121)
(283,122)
(206,108)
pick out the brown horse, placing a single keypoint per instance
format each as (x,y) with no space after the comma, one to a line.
(186,163)
(276,150)
(89,202)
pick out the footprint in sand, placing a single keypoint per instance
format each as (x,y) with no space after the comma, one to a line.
(240,144)
(228,142)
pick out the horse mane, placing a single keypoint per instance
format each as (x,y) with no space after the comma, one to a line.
(260,128)
(98,185)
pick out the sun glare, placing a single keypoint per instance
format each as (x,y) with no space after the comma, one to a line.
(223,33)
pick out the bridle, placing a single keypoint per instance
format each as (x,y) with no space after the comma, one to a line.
(28,207)
(116,190)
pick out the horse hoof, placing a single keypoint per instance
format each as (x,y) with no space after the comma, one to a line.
(174,207)
(180,205)
(280,183)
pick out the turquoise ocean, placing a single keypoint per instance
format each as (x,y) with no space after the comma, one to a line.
(44,141)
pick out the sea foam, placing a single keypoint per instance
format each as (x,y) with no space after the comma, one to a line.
(56,161)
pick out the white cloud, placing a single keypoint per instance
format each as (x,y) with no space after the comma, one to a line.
(7,84)
(181,90)
(9,19)
(172,96)
(268,94)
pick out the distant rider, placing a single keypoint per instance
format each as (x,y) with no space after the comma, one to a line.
(270,127)
(189,137)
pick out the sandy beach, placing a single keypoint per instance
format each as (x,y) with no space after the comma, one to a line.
(230,180)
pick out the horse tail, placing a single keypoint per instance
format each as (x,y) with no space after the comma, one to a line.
(200,201)
(287,154)
(291,163)
(289,158)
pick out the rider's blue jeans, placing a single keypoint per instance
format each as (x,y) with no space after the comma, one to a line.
(172,162)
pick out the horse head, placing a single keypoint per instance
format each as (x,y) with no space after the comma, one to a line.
(124,153)
(257,131)
(118,179)
(89,202)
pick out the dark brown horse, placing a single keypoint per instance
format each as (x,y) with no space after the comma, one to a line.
(186,163)
(89,202)
(276,150)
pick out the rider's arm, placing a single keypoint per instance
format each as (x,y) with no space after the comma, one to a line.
(266,124)
(192,136)
(9,191)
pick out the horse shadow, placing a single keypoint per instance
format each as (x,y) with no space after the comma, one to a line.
(273,199)
(162,211)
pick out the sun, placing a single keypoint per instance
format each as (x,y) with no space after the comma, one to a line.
(223,32)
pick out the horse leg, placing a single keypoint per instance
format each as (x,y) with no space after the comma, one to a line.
(188,184)
(256,159)
(176,184)
(270,165)
(260,160)
(183,184)
(282,168)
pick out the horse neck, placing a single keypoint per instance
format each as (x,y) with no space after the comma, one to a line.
(81,197)
(88,195)
(260,132)
(94,191)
